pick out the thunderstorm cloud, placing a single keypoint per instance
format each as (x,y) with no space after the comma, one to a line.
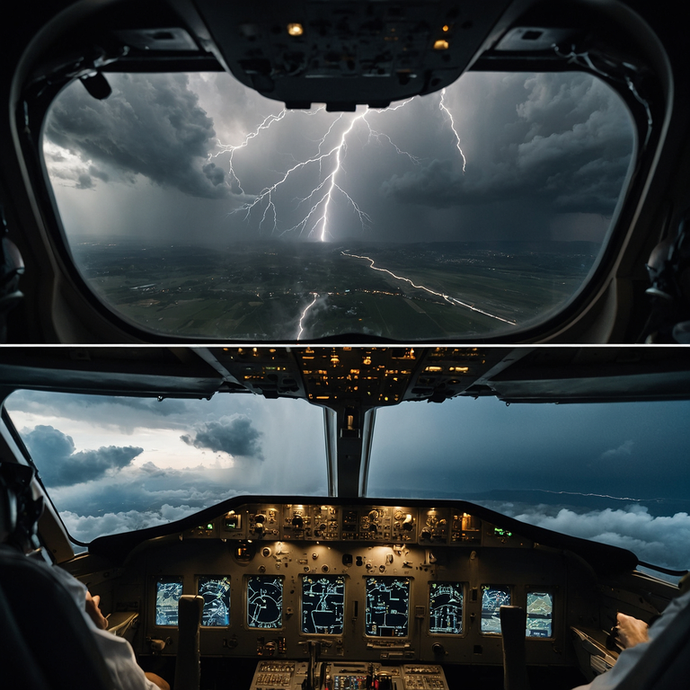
(232,435)
(543,151)
(151,126)
(62,465)
(567,145)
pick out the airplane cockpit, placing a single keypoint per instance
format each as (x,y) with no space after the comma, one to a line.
(344,172)
(390,569)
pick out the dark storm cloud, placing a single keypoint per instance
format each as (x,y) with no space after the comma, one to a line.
(215,174)
(151,125)
(60,465)
(233,435)
(567,144)
(84,181)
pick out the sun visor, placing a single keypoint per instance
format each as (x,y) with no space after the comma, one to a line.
(348,53)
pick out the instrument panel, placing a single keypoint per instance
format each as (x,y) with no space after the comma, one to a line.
(368,584)
(274,675)
(319,522)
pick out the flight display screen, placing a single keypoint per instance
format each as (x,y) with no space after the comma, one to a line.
(445,608)
(539,614)
(388,606)
(493,597)
(216,594)
(168,593)
(265,601)
(323,604)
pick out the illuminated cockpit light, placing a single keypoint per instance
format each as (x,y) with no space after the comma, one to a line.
(295,29)
(441,44)
(434,368)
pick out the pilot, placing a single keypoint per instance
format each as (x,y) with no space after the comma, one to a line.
(635,637)
(117,652)
(19,513)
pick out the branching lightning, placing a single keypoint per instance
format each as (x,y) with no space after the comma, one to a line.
(329,159)
(444,108)
(227,148)
(318,203)
(451,300)
(304,315)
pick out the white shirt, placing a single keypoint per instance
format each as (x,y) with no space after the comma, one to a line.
(629,657)
(117,652)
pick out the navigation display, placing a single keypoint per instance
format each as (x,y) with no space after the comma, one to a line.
(265,601)
(323,603)
(168,593)
(388,606)
(445,608)
(492,600)
(216,594)
(539,614)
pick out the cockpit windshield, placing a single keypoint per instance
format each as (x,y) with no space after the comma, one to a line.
(610,472)
(194,207)
(114,464)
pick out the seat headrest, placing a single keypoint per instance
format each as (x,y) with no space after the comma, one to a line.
(19,510)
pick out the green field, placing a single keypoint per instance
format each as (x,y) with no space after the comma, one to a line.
(261,291)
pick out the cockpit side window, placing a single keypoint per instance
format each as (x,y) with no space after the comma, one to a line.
(115,464)
(610,472)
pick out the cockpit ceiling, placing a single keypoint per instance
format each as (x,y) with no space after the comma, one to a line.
(362,377)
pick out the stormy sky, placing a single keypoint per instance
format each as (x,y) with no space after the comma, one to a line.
(613,473)
(185,158)
(114,464)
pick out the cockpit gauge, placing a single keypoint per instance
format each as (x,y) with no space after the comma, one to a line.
(388,606)
(265,601)
(493,597)
(445,608)
(168,593)
(216,594)
(323,604)
(539,614)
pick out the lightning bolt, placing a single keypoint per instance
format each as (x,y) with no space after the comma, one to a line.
(230,149)
(442,106)
(304,314)
(329,158)
(451,300)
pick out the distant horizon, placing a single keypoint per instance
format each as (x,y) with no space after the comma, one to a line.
(284,241)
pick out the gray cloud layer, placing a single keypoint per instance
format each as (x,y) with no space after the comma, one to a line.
(662,540)
(60,464)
